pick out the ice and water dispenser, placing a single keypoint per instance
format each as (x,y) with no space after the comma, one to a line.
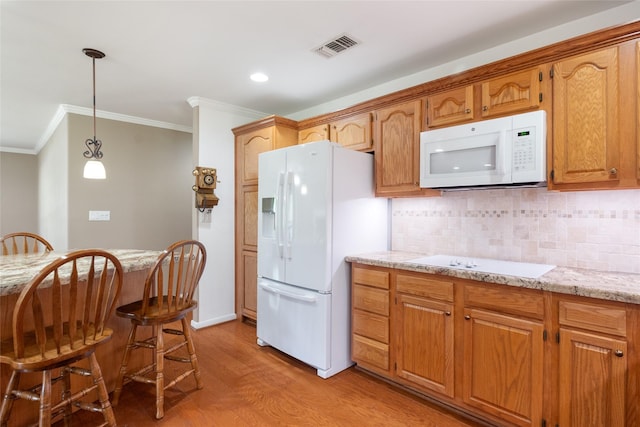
(269,217)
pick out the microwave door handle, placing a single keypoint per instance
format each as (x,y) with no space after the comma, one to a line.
(505,154)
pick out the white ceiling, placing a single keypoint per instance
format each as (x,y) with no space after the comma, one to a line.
(159,54)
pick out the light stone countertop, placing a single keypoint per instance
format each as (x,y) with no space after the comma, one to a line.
(17,270)
(624,287)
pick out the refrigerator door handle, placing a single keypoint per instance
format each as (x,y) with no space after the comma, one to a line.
(292,295)
(279,220)
(288,216)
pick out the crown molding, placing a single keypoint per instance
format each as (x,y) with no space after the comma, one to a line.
(198,101)
(65,109)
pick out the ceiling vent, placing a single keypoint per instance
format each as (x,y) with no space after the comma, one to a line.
(337,45)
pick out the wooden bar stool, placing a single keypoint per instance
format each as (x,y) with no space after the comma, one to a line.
(168,297)
(58,320)
(24,243)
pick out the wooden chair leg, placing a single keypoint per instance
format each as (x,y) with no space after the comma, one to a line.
(123,366)
(159,372)
(45,400)
(8,399)
(186,330)
(66,393)
(103,395)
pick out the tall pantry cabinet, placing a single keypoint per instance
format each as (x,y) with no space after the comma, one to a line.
(252,139)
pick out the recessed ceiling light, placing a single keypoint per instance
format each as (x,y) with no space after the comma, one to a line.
(259,77)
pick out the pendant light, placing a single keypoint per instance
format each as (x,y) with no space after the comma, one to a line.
(94,169)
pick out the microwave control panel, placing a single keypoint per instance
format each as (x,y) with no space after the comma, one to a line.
(524,149)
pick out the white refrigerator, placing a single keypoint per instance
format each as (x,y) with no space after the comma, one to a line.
(316,205)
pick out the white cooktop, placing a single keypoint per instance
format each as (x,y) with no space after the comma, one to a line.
(486,265)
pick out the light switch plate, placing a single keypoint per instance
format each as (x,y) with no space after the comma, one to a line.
(99,215)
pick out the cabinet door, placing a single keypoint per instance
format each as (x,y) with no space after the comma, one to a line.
(250,280)
(512,94)
(246,247)
(316,133)
(248,147)
(353,132)
(450,107)
(592,380)
(425,343)
(503,365)
(586,146)
(397,141)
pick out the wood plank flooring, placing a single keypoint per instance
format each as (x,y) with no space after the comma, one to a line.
(248,385)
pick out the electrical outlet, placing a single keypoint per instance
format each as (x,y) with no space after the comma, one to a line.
(99,215)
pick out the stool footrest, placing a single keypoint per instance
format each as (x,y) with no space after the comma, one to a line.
(173,331)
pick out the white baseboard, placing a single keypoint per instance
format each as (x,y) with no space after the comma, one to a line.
(215,321)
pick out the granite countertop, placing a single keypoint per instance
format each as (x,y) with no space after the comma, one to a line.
(17,270)
(613,286)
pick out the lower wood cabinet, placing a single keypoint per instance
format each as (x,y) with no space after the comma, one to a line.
(424,333)
(503,366)
(510,355)
(592,379)
(370,319)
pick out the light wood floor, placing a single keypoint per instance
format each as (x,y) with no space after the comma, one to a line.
(248,385)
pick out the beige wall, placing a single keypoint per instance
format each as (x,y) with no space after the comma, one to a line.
(53,191)
(147,190)
(18,193)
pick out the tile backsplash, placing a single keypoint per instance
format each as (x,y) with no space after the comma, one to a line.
(594,229)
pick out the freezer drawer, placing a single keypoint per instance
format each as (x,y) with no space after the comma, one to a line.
(296,321)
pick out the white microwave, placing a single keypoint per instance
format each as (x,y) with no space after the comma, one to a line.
(499,152)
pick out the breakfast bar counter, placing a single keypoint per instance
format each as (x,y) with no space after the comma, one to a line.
(17,270)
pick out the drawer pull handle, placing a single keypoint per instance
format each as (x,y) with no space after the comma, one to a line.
(447,313)
(467,317)
(613,171)
(618,353)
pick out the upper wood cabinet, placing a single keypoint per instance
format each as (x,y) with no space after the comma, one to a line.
(397,150)
(512,94)
(352,132)
(315,133)
(251,140)
(257,137)
(586,127)
(451,107)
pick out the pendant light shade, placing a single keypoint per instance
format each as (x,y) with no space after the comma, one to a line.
(94,169)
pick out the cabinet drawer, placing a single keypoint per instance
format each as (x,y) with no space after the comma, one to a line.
(510,300)
(371,326)
(594,317)
(370,352)
(424,286)
(371,299)
(375,278)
